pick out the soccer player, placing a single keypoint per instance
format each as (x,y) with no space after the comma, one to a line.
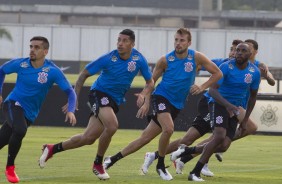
(35,76)
(118,69)
(224,103)
(200,126)
(178,70)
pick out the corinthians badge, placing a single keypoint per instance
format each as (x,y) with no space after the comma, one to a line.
(268,116)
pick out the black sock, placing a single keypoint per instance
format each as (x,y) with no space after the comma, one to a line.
(116,157)
(160,163)
(188,150)
(186,158)
(98,160)
(58,148)
(197,169)
(156,155)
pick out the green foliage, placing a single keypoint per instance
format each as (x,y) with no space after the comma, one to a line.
(255,159)
(268,5)
(5,34)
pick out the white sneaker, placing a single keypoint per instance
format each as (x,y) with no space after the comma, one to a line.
(107,163)
(193,177)
(206,171)
(179,165)
(164,174)
(219,156)
(175,155)
(148,160)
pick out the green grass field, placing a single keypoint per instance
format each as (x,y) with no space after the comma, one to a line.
(255,159)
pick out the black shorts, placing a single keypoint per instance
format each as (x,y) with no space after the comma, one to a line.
(159,105)
(202,120)
(99,99)
(14,114)
(220,118)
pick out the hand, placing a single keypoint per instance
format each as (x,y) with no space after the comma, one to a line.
(194,90)
(65,108)
(233,110)
(140,99)
(142,111)
(242,128)
(71,117)
(263,72)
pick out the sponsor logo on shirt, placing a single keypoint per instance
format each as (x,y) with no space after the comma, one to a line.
(251,69)
(248,78)
(189,57)
(171,58)
(161,106)
(231,66)
(42,77)
(24,65)
(131,66)
(46,69)
(135,58)
(188,67)
(114,59)
(17,103)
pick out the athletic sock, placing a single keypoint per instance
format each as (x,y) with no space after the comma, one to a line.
(98,160)
(160,163)
(197,169)
(186,158)
(116,157)
(58,148)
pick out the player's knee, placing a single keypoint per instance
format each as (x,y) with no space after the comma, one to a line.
(111,130)
(168,131)
(20,133)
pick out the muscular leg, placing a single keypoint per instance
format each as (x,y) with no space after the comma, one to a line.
(148,134)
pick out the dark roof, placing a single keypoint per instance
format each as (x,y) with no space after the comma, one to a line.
(174,4)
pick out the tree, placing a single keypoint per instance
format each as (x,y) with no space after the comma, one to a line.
(5,34)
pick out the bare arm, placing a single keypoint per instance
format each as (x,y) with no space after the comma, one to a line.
(80,81)
(265,73)
(216,74)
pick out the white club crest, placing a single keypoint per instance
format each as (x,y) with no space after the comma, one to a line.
(219,120)
(268,116)
(105,101)
(131,66)
(42,77)
(161,106)
(248,78)
(188,67)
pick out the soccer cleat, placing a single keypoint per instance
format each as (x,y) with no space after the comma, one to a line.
(164,174)
(206,171)
(219,156)
(107,163)
(11,175)
(47,153)
(193,177)
(100,172)
(148,160)
(176,154)
(179,165)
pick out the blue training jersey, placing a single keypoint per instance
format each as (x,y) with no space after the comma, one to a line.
(177,79)
(236,83)
(33,84)
(217,61)
(117,74)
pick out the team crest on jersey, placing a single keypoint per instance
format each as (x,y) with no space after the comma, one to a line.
(251,69)
(46,69)
(219,120)
(135,58)
(24,65)
(131,66)
(188,67)
(42,77)
(105,101)
(161,106)
(189,57)
(171,58)
(248,78)
(231,66)
(114,59)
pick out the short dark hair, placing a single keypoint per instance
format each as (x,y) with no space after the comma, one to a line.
(182,31)
(255,43)
(43,39)
(129,33)
(236,42)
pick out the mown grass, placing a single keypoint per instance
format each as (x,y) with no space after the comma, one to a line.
(255,159)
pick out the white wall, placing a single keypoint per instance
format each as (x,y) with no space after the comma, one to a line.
(82,43)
